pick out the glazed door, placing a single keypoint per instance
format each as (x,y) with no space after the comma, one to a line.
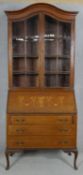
(57,52)
(25,53)
(41,52)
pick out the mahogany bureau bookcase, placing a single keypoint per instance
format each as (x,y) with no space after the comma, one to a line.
(41,106)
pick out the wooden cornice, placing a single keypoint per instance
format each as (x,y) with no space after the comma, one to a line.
(41,7)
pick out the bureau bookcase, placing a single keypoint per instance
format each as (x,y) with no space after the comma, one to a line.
(41,106)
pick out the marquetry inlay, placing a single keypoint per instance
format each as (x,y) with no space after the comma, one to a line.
(40,100)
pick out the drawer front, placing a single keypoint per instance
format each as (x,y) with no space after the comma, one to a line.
(41,142)
(52,129)
(41,119)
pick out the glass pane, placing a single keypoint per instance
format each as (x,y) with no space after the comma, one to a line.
(25,52)
(57,80)
(18,39)
(18,42)
(31,65)
(32,37)
(50,64)
(57,52)
(50,80)
(18,80)
(50,36)
(50,51)
(64,47)
(65,30)
(64,36)
(31,80)
(63,64)
(18,64)
(62,80)
(18,48)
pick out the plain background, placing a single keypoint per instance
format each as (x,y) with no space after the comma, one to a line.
(4,65)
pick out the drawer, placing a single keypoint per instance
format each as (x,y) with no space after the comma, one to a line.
(41,119)
(41,142)
(51,129)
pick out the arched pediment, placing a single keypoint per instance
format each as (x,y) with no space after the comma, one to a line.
(44,8)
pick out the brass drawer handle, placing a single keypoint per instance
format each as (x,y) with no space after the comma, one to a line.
(23,120)
(20,120)
(66,142)
(63,142)
(63,130)
(19,130)
(17,120)
(62,120)
(20,143)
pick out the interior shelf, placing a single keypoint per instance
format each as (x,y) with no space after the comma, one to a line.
(57,56)
(25,73)
(27,56)
(55,73)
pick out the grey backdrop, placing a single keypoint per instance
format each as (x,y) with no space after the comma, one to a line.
(4,67)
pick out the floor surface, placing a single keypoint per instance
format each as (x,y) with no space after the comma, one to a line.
(41,163)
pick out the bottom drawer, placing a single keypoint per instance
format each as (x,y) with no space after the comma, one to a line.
(41,142)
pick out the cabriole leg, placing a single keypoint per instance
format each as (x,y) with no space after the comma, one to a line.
(75,159)
(75,152)
(7,160)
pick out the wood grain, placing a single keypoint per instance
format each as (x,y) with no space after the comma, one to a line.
(41,142)
(41,130)
(46,119)
(41,101)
